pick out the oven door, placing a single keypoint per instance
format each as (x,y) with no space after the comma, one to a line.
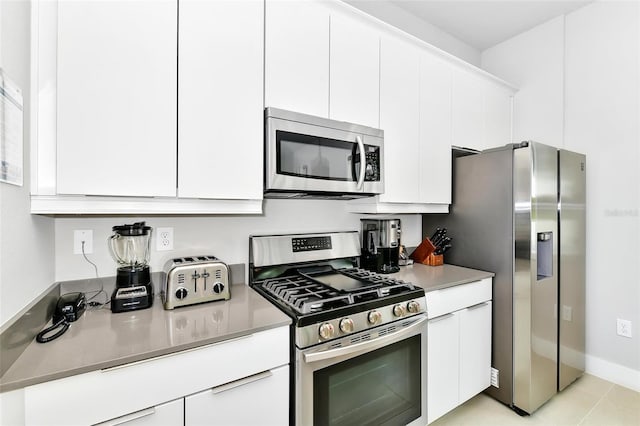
(376,377)
(309,158)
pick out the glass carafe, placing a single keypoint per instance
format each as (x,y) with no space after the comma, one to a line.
(130,245)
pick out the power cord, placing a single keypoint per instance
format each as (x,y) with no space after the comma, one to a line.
(90,301)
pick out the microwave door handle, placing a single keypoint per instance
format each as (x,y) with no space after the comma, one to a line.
(363,161)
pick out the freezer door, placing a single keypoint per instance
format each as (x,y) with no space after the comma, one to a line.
(535,288)
(572,227)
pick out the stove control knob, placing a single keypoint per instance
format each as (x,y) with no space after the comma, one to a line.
(346,325)
(399,311)
(218,287)
(326,331)
(413,307)
(181,293)
(374,317)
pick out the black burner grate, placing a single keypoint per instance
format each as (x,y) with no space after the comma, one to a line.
(305,295)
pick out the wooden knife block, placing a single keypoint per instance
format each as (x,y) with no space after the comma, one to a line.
(423,251)
(424,254)
(434,260)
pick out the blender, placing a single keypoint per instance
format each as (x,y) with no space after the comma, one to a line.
(129,246)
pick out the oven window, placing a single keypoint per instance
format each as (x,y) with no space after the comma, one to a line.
(316,157)
(381,387)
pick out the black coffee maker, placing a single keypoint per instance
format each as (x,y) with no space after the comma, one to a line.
(380,245)
(129,246)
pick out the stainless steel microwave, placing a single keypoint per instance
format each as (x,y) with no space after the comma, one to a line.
(314,157)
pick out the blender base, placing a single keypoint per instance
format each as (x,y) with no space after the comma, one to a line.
(133,298)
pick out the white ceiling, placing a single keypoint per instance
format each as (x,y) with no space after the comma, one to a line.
(483,24)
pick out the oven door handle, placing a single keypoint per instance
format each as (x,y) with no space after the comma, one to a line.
(363,162)
(369,344)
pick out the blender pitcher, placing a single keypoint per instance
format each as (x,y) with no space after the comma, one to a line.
(129,245)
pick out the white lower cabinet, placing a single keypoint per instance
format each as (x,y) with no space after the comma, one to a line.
(215,382)
(475,350)
(459,345)
(443,365)
(261,399)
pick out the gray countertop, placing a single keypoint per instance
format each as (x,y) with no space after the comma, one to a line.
(438,277)
(100,339)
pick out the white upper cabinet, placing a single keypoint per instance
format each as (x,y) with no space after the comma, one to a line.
(497,115)
(481,111)
(435,130)
(116,91)
(122,84)
(399,118)
(354,92)
(468,110)
(220,110)
(296,63)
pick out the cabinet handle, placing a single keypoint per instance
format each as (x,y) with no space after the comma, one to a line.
(241,382)
(128,417)
(363,162)
(441,318)
(479,305)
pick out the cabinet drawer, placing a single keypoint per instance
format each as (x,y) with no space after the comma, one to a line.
(261,399)
(440,302)
(106,394)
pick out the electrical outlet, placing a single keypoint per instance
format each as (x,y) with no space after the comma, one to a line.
(495,377)
(164,239)
(567,312)
(80,236)
(624,327)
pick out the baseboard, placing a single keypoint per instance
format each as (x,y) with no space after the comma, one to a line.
(615,373)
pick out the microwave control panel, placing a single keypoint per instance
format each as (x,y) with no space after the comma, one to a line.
(372,170)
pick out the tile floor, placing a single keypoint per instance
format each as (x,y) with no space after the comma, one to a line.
(588,401)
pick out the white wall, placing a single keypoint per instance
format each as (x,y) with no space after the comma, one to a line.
(580,88)
(534,63)
(399,18)
(26,242)
(226,237)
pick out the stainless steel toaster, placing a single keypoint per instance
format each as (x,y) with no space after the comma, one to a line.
(195,279)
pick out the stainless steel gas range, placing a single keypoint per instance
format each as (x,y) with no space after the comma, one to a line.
(358,339)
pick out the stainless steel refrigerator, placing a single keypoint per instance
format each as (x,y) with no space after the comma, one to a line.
(519,211)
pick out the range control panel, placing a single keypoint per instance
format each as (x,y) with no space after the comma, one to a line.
(311,243)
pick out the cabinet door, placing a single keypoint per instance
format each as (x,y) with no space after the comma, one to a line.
(435,130)
(442,365)
(497,115)
(261,399)
(296,61)
(354,92)
(468,110)
(220,128)
(116,116)
(399,118)
(170,413)
(475,350)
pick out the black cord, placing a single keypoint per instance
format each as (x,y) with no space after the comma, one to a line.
(90,301)
(40,338)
